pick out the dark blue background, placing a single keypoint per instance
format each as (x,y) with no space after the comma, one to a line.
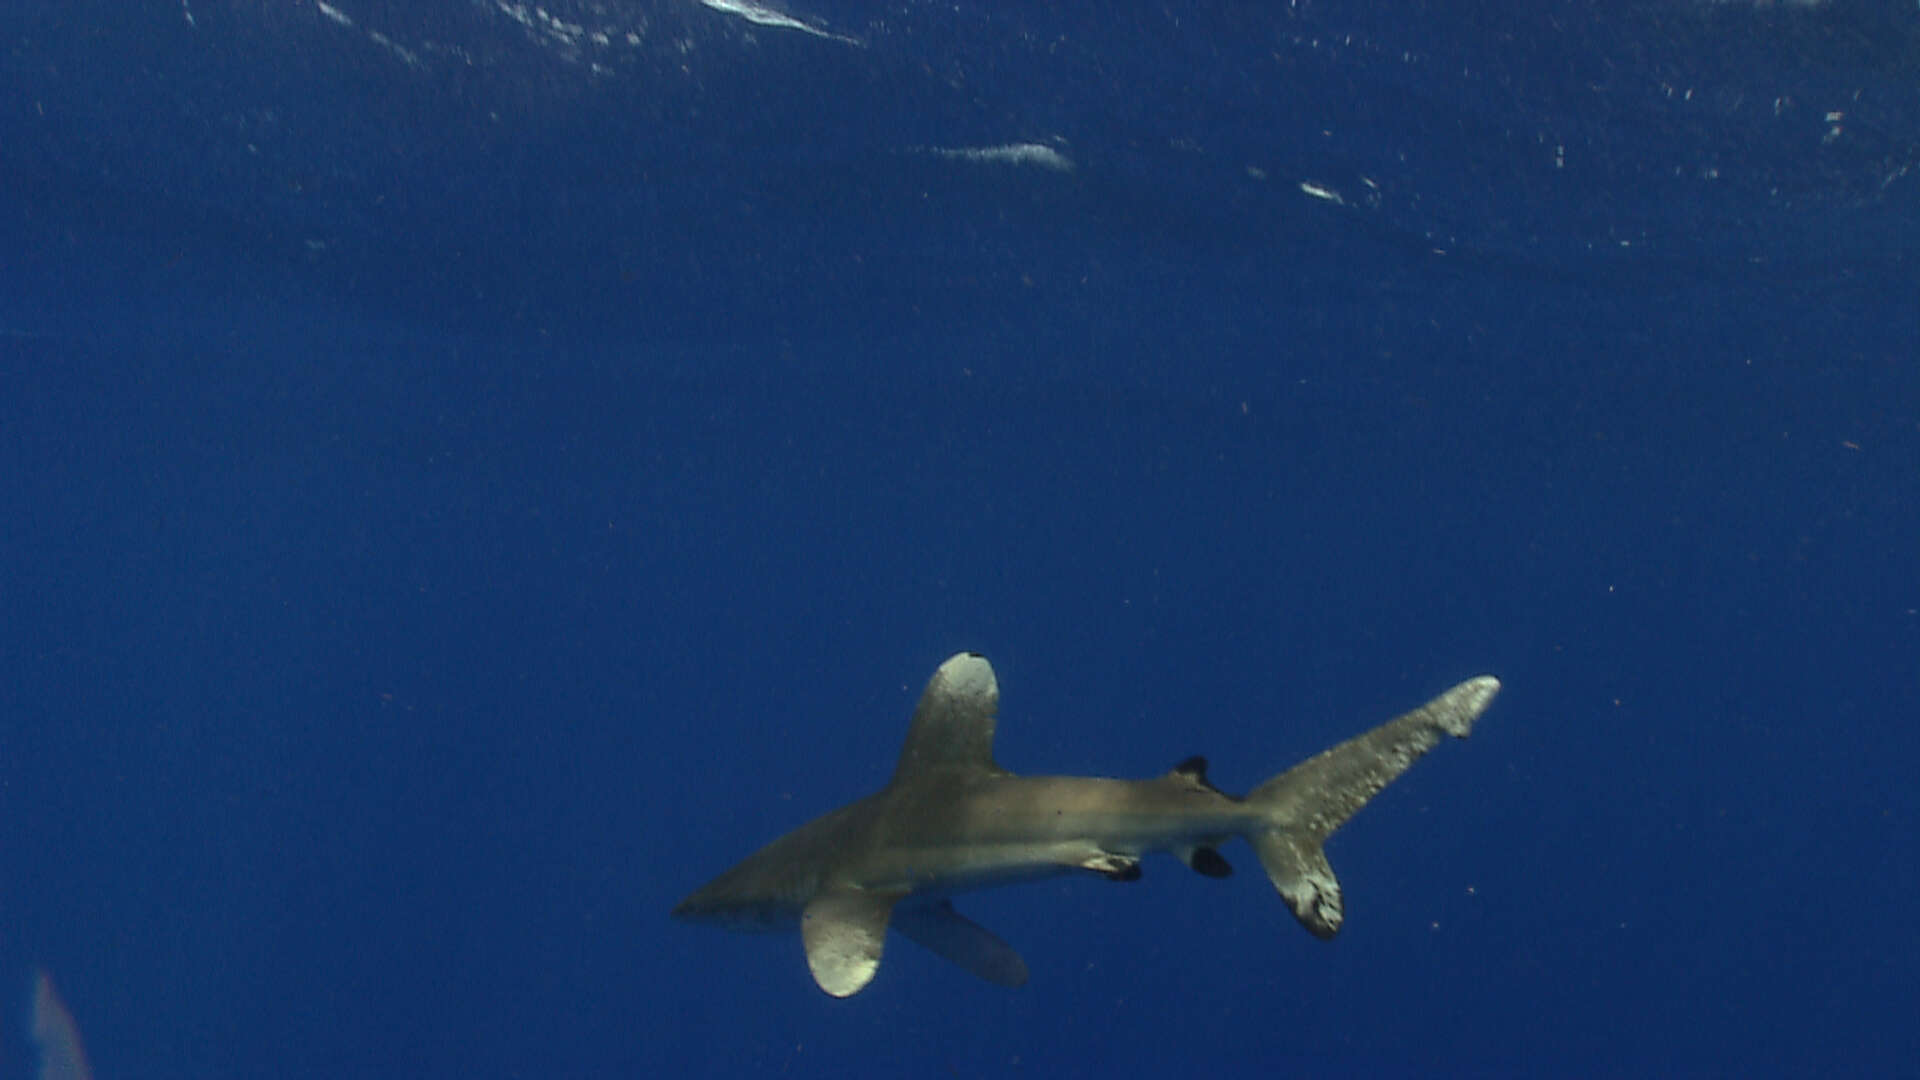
(465,484)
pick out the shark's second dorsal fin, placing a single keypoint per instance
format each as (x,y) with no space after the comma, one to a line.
(1193,771)
(952,726)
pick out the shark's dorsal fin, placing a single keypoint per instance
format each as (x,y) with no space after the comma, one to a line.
(844,931)
(952,726)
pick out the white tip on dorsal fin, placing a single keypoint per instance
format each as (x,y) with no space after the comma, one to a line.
(953,724)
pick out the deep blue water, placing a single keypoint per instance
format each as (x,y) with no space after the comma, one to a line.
(471,473)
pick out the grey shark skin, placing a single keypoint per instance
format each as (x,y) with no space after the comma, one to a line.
(951,820)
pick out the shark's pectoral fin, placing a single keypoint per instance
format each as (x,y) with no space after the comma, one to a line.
(952,936)
(844,931)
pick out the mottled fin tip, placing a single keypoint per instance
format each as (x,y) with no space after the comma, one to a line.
(1305,880)
(1457,709)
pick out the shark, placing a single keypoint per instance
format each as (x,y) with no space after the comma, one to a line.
(951,820)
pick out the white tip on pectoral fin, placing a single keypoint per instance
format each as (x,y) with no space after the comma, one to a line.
(844,933)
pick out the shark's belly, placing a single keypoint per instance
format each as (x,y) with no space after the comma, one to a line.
(1021,829)
(945,871)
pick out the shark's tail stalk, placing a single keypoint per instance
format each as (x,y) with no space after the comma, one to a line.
(1305,804)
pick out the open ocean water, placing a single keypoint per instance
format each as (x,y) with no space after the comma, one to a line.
(472,471)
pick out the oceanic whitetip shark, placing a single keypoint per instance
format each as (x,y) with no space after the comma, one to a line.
(951,819)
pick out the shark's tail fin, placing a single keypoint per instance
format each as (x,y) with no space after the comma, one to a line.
(1305,804)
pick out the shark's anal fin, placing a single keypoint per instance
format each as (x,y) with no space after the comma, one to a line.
(1114,866)
(1208,862)
(952,936)
(844,931)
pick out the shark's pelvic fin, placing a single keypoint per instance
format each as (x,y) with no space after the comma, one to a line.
(952,936)
(844,931)
(1305,804)
(1114,866)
